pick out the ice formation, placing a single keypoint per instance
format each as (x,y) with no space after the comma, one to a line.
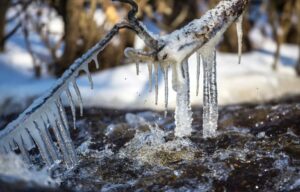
(210,92)
(200,36)
(239,29)
(32,128)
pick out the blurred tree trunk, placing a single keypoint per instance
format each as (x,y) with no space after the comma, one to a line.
(182,12)
(82,32)
(4,5)
(280,18)
(71,16)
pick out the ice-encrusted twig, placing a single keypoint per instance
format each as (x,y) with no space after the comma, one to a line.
(175,49)
(31,128)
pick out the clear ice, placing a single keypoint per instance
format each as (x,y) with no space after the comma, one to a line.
(32,128)
(166,79)
(210,92)
(198,54)
(239,29)
(183,112)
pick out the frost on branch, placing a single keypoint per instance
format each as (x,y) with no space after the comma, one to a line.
(201,37)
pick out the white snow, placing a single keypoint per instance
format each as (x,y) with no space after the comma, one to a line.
(252,81)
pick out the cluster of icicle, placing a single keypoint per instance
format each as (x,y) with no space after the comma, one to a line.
(181,84)
(32,128)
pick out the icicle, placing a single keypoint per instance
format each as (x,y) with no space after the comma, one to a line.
(78,96)
(12,145)
(53,122)
(183,113)
(239,29)
(198,71)
(65,136)
(137,68)
(166,76)
(28,142)
(210,95)
(68,142)
(72,105)
(150,76)
(156,82)
(95,59)
(87,71)
(20,142)
(62,112)
(34,132)
(47,137)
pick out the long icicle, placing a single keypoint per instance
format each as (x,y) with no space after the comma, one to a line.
(150,76)
(79,98)
(198,54)
(48,140)
(54,124)
(183,113)
(210,94)
(20,142)
(239,29)
(66,136)
(62,112)
(156,82)
(40,144)
(72,105)
(166,76)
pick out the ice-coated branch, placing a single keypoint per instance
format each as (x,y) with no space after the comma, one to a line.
(138,26)
(199,36)
(180,44)
(31,128)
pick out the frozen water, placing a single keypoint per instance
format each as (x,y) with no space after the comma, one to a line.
(183,113)
(198,54)
(156,82)
(79,97)
(210,94)
(166,78)
(150,76)
(239,29)
(72,105)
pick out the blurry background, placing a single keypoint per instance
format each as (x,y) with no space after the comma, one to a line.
(39,39)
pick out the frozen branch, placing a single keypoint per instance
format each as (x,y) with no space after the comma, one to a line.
(201,36)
